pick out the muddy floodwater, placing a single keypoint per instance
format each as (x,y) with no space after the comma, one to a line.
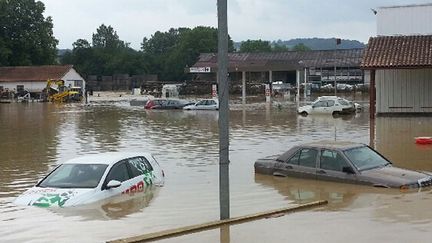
(35,137)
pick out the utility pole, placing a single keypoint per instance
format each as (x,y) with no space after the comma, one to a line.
(338,41)
(223,110)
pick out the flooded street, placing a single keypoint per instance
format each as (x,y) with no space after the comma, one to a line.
(36,136)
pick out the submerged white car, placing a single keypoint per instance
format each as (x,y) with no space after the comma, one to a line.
(92,178)
(329,105)
(207,104)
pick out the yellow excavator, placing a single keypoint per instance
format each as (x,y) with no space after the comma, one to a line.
(61,93)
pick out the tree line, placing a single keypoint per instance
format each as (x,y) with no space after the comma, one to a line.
(26,38)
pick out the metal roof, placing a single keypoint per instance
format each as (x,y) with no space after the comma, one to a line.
(290,60)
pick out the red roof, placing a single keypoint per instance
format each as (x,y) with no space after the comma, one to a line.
(33,73)
(398,52)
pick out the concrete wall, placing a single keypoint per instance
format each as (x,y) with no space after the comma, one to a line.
(404,20)
(404,91)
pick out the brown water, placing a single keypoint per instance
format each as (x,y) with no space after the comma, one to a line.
(35,137)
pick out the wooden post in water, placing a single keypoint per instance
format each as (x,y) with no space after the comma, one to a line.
(372,95)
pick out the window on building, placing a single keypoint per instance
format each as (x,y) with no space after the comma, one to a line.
(20,88)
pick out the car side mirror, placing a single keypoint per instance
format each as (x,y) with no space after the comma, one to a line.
(113,184)
(348,170)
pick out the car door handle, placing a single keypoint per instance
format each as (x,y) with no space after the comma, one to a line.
(321,172)
(288,167)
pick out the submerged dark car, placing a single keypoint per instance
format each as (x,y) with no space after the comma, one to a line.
(166,104)
(342,162)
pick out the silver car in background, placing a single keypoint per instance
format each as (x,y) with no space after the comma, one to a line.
(342,162)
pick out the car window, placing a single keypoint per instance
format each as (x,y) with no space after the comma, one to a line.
(118,172)
(308,157)
(139,165)
(320,104)
(294,159)
(343,102)
(332,160)
(212,102)
(75,176)
(365,158)
(202,102)
(330,103)
(304,157)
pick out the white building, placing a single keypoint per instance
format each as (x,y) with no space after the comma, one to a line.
(34,78)
(400,61)
(405,20)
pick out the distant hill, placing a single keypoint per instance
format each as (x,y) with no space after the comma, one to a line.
(315,43)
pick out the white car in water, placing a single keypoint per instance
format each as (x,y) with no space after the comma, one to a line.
(92,178)
(207,104)
(329,105)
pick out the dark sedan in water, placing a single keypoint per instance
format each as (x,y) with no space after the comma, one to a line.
(343,162)
(166,104)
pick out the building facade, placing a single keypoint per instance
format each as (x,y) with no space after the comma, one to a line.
(401,71)
(399,61)
(33,79)
(405,20)
(320,67)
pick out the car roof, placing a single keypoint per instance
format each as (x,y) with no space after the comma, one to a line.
(209,99)
(330,144)
(324,144)
(108,158)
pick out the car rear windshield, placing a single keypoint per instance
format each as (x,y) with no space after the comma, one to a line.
(365,158)
(75,176)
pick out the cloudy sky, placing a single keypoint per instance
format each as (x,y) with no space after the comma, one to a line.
(247,19)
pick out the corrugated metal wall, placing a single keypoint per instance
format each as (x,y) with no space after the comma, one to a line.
(404,91)
(408,20)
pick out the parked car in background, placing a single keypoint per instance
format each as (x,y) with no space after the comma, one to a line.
(329,105)
(154,103)
(206,104)
(92,178)
(166,104)
(342,162)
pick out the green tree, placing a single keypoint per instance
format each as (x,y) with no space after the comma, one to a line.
(170,52)
(26,36)
(106,37)
(280,48)
(255,46)
(300,47)
(107,55)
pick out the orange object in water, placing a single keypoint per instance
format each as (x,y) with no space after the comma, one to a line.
(423,140)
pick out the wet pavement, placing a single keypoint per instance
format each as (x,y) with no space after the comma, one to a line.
(36,136)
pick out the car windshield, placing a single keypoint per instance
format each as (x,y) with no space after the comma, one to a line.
(75,176)
(365,158)
(343,102)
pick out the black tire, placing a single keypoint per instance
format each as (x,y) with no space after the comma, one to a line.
(304,113)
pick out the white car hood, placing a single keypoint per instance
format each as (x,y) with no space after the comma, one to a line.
(53,197)
(305,108)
